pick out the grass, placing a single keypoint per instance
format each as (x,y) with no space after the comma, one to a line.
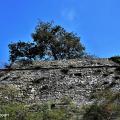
(19,111)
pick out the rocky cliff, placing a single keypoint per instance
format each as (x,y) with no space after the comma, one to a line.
(52,80)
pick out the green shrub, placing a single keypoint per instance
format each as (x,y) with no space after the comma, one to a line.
(16,111)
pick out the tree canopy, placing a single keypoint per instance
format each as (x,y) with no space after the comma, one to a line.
(49,41)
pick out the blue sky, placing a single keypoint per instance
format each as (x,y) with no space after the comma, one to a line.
(97,22)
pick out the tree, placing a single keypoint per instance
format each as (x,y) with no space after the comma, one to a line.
(21,50)
(56,42)
(49,41)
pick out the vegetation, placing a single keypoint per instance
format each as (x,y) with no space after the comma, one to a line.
(49,42)
(115,59)
(16,110)
(22,50)
(95,112)
(106,106)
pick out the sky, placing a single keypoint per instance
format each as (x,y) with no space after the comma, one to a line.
(97,22)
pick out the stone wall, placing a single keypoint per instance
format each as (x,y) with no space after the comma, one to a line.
(64,63)
(77,79)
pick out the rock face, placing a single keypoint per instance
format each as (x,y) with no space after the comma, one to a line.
(77,79)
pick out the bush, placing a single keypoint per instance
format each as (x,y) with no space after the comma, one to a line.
(115,59)
(95,112)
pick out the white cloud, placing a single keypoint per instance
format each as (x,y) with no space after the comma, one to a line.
(69,14)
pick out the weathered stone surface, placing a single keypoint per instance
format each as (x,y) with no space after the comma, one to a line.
(74,78)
